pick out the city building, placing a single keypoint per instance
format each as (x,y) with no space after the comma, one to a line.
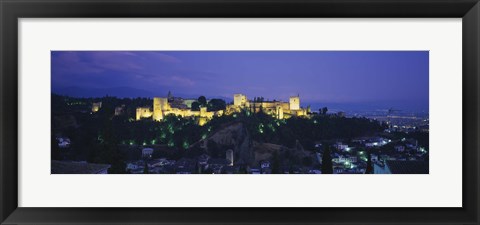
(340,146)
(96,106)
(63,142)
(147,152)
(119,110)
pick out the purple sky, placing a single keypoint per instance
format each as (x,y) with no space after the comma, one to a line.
(317,76)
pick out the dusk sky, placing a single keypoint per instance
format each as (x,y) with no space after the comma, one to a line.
(389,78)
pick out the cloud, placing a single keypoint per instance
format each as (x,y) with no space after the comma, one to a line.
(116,61)
(77,62)
(165,57)
(67,63)
(182,81)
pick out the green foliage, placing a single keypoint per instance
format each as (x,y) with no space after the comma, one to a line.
(109,151)
(216,104)
(195,106)
(286,132)
(103,138)
(202,101)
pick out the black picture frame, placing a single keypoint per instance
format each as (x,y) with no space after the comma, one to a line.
(12,10)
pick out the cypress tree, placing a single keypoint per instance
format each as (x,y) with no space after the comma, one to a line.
(327,166)
(55,150)
(275,163)
(369,169)
(145,168)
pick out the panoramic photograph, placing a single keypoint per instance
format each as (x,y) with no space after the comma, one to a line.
(240,112)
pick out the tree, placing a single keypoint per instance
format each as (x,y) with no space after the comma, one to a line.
(202,100)
(109,151)
(55,151)
(307,161)
(216,104)
(327,166)
(324,111)
(195,106)
(369,169)
(275,163)
(213,149)
(198,168)
(145,167)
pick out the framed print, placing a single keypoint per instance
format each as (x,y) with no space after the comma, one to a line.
(250,112)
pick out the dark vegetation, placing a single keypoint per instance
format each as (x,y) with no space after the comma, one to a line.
(102,137)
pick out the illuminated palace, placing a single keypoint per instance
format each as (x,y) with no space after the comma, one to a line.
(278,109)
(163,107)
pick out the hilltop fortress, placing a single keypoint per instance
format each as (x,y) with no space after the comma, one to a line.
(278,109)
(162,108)
(179,107)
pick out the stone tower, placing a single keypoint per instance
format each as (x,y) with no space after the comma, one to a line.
(295,103)
(159,105)
(279,112)
(239,100)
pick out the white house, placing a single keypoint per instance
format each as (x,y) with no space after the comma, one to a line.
(147,152)
(265,164)
(63,142)
(341,146)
